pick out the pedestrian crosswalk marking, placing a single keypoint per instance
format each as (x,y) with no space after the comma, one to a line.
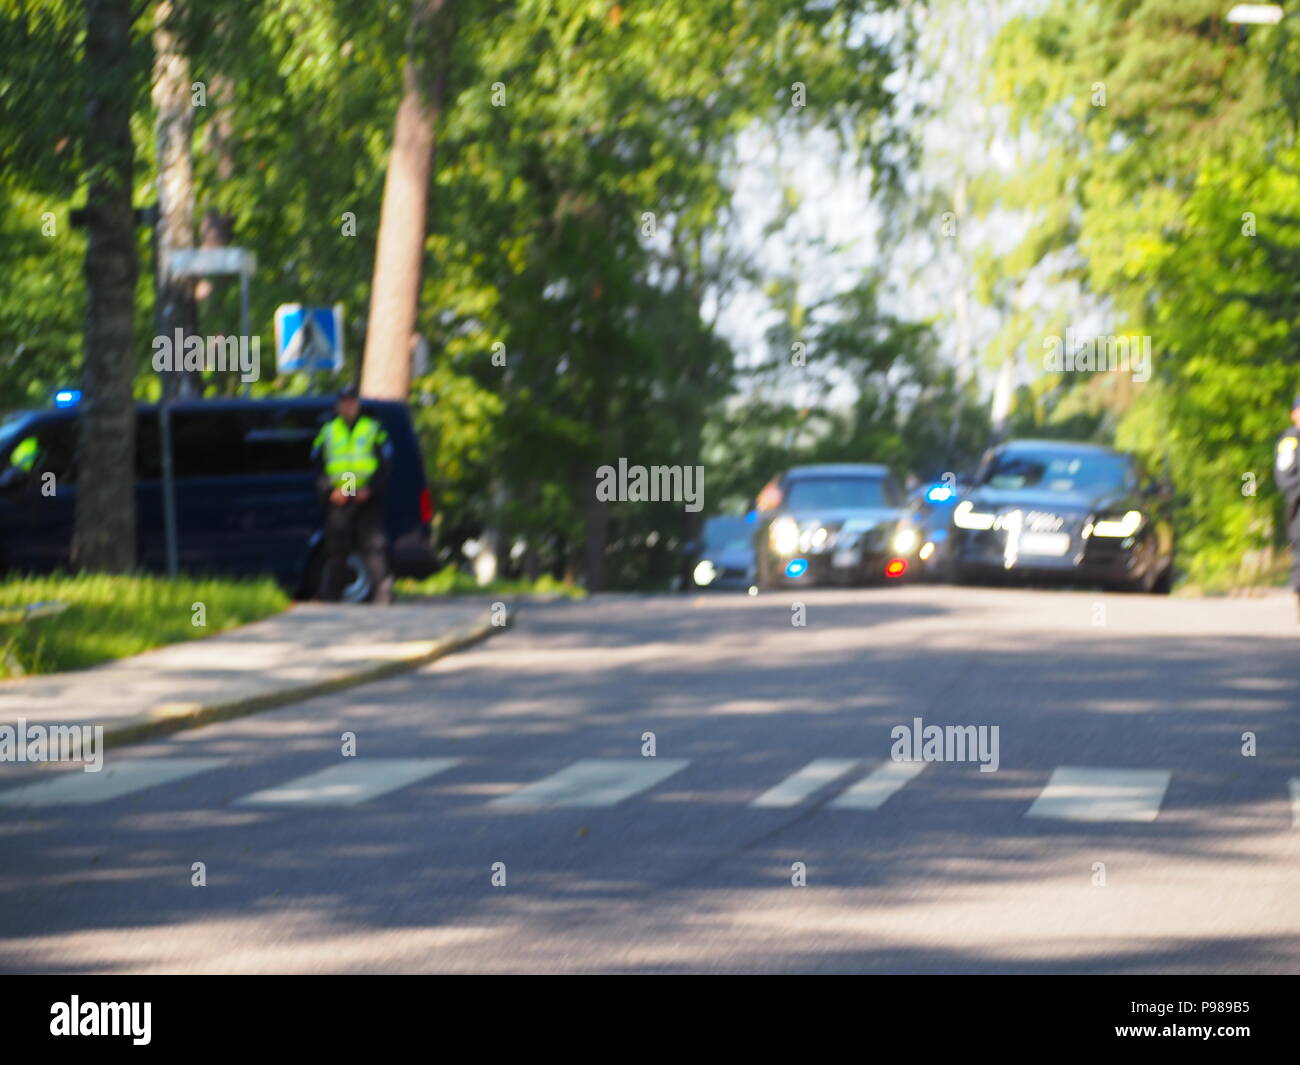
(1081,794)
(117,778)
(873,790)
(595,782)
(349,783)
(798,786)
(1072,793)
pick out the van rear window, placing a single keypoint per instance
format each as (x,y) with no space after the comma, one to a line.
(279,441)
(208,443)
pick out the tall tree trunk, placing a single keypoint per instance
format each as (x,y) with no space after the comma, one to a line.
(595,534)
(104,532)
(595,538)
(173,132)
(399,250)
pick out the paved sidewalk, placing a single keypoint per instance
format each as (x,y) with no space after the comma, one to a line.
(309,649)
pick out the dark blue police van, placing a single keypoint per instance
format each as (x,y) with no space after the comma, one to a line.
(246,500)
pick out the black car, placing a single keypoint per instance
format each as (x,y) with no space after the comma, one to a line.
(723,557)
(830,524)
(1065,511)
(246,499)
(922,537)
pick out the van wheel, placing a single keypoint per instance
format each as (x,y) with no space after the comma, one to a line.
(356,579)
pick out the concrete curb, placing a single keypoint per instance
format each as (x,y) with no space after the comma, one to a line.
(168,718)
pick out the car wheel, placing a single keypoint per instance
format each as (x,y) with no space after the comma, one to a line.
(958,574)
(1141,586)
(1164,584)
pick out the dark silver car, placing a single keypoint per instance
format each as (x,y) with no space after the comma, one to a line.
(723,557)
(827,525)
(921,541)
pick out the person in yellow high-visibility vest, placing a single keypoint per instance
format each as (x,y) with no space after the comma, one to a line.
(352,456)
(23,457)
(1286,471)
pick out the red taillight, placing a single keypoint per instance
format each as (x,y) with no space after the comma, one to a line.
(896,568)
(426,506)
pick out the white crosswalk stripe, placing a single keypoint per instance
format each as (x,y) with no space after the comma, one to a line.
(873,790)
(349,783)
(798,786)
(595,782)
(1082,794)
(118,778)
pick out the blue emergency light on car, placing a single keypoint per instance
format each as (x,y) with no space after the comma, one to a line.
(796,567)
(67,397)
(940,493)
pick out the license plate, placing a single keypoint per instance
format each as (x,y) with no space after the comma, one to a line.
(1055,544)
(844,559)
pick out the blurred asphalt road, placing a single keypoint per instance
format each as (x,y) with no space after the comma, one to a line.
(1108,706)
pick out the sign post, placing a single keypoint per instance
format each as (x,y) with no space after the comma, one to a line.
(207,262)
(195,262)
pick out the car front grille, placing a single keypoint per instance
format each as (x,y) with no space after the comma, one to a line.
(1044,522)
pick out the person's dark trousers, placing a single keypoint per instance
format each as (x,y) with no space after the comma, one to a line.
(355,527)
(1293,533)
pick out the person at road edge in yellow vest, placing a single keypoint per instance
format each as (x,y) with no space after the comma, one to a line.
(352,457)
(1286,470)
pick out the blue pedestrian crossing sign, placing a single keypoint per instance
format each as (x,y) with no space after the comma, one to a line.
(308,339)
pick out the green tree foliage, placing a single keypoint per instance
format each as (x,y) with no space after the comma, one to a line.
(1166,189)
(578,224)
(862,386)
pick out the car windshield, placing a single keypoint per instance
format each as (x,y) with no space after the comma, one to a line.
(836,493)
(1088,472)
(726,534)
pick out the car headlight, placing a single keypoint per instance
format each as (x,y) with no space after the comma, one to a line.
(783,536)
(704,573)
(905,540)
(967,517)
(1118,527)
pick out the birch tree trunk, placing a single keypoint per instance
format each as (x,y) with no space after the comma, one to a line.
(399,250)
(173,133)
